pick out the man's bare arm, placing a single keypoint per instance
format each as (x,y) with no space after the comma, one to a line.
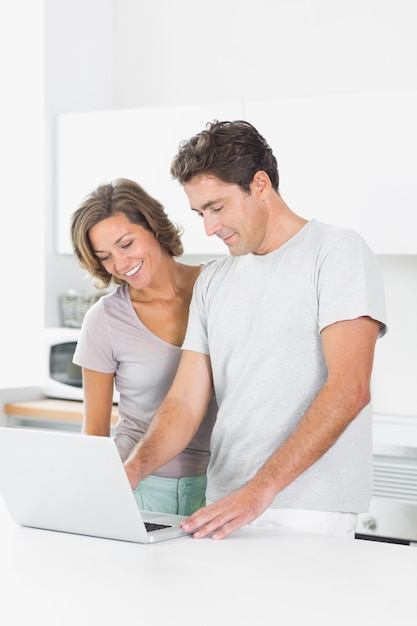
(177,419)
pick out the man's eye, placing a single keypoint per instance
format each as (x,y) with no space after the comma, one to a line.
(217,209)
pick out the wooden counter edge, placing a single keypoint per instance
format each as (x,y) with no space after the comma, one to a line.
(52,409)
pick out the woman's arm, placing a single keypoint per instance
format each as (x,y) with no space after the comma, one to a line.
(98,400)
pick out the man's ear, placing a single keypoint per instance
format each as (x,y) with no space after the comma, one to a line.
(260,182)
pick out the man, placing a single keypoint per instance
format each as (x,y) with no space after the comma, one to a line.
(285,329)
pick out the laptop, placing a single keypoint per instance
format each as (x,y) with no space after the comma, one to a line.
(74,483)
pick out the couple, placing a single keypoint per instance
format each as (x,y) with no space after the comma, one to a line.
(255,367)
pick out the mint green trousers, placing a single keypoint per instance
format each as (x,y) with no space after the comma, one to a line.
(182,496)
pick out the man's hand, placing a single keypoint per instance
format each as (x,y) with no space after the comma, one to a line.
(131,474)
(222,518)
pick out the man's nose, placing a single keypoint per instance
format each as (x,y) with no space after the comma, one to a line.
(211,223)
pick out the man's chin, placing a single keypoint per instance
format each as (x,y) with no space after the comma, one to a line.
(237,252)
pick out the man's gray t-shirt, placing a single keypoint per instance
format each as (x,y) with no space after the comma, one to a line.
(259,319)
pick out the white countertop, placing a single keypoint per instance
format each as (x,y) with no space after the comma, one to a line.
(257,577)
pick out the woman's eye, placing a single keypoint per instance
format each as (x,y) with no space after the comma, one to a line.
(126,245)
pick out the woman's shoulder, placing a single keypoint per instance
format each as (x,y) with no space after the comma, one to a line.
(107,302)
(192,272)
(216,264)
(209,262)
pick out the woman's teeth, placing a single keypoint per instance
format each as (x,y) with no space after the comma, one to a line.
(134,270)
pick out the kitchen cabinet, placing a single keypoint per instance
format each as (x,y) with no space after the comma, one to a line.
(344,159)
(98,146)
(349,160)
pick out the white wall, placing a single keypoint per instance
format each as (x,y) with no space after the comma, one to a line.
(395,371)
(78,77)
(187,52)
(55,56)
(22,190)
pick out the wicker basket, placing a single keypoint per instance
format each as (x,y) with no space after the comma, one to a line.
(75,305)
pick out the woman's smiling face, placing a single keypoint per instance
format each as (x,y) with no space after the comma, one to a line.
(127,251)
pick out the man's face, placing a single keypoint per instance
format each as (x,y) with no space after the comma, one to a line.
(229,213)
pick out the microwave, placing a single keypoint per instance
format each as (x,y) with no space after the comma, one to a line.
(62,378)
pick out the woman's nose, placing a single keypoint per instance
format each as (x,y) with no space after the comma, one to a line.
(120,263)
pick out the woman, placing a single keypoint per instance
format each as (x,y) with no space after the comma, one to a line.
(132,337)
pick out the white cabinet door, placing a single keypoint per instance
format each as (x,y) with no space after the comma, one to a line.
(97,147)
(348,160)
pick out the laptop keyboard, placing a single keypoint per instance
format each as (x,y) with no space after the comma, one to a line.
(151,526)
